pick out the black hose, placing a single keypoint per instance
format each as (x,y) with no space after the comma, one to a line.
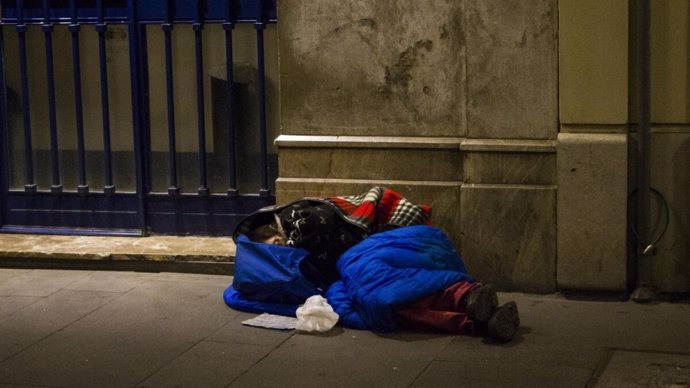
(665,218)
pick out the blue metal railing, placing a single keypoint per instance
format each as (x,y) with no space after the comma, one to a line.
(75,14)
(148,11)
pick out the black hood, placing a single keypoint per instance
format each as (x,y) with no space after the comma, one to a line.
(265,216)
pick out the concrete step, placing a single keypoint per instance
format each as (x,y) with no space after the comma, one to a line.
(153,253)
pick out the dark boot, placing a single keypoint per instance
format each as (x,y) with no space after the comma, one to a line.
(481,303)
(504,322)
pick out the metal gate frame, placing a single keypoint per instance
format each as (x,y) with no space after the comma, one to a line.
(108,212)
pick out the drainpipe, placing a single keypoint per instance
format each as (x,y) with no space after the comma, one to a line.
(644,291)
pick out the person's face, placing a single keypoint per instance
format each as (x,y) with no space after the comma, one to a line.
(275,240)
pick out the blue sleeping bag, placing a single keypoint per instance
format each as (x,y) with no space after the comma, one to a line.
(390,269)
(383,271)
(268,279)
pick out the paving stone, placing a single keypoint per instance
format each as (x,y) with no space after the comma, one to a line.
(237,333)
(612,324)
(40,283)
(646,369)
(71,358)
(49,315)
(186,311)
(208,364)
(109,281)
(460,374)
(10,304)
(6,274)
(139,333)
(550,364)
(345,358)
(218,280)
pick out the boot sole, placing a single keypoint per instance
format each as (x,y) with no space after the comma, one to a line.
(504,323)
(482,303)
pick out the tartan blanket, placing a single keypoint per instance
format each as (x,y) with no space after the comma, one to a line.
(380,209)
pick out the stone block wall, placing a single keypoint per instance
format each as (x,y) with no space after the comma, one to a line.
(593,145)
(453,103)
(597,140)
(670,142)
(511,118)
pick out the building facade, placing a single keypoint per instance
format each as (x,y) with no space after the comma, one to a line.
(516,120)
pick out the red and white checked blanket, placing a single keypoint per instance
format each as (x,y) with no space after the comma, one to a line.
(379,209)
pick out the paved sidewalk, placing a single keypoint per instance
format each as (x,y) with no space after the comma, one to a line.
(69,328)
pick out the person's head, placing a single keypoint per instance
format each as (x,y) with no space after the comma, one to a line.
(269,234)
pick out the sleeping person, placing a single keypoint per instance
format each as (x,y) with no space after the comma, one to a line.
(378,261)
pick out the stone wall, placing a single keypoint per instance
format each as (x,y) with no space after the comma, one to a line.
(510,118)
(598,100)
(670,161)
(593,144)
(453,103)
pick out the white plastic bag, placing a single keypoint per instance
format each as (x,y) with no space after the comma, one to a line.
(316,315)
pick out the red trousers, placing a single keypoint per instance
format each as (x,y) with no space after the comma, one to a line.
(440,311)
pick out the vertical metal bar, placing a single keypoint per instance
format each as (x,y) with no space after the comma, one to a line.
(74,28)
(133,32)
(263,146)
(47,28)
(29,185)
(102,29)
(201,127)
(145,109)
(229,63)
(167,27)
(4,133)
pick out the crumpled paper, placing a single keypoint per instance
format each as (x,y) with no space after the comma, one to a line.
(316,315)
(271,321)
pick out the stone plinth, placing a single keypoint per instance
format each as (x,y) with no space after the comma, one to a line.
(671,178)
(592,198)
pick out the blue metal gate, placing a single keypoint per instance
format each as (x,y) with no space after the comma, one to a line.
(74,159)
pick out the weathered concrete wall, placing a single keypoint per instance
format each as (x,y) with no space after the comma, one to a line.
(592,197)
(592,145)
(372,67)
(511,69)
(421,97)
(670,147)
(598,94)
(508,193)
(511,118)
